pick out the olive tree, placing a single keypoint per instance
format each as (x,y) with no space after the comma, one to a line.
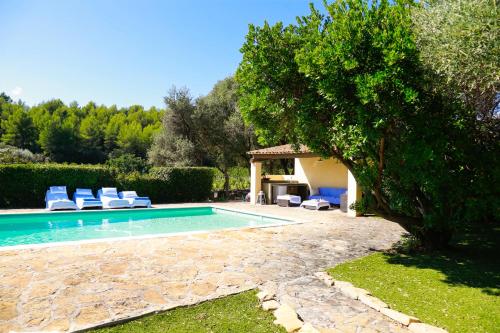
(175,143)
(221,129)
(460,42)
(207,131)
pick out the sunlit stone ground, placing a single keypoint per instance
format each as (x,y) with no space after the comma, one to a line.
(71,287)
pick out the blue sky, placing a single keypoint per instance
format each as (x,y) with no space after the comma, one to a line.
(125,52)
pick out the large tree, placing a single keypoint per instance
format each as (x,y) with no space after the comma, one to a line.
(459,44)
(351,85)
(17,128)
(92,139)
(176,143)
(221,129)
(207,131)
(5,98)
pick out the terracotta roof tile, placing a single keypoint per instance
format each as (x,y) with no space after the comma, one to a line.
(278,150)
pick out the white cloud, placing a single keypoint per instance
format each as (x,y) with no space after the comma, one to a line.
(16,92)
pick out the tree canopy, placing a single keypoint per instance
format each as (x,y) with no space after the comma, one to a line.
(221,130)
(206,131)
(73,133)
(460,42)
(351,84)
(176,143)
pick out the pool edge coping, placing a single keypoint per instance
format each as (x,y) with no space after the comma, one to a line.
(151,236)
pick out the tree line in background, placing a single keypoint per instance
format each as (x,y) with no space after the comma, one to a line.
(81,134)
(206,131)
(405,94)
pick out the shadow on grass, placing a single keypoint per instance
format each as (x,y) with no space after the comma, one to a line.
(473,260)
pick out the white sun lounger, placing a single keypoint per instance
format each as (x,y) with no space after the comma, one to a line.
(110,199)
(134,200)
(57,198)
(315,204)
(288,200)
(84,198)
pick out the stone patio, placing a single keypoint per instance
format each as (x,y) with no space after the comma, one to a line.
(73,287)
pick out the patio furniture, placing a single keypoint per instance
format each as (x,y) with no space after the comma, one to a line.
(84,198)
(274,188)
(261,198)
(330,194)
(110,199)
(316,204)
(134,200)
(57,198)
(288,200)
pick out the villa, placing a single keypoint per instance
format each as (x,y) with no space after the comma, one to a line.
(310,171)
(133,198)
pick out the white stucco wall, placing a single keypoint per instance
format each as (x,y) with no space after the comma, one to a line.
(315,172)
(353,193)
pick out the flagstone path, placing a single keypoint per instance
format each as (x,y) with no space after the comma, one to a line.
(73,287)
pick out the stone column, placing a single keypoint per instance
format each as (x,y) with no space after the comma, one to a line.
(255,180)
(353,193)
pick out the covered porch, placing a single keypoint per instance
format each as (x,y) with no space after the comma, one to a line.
(310,173)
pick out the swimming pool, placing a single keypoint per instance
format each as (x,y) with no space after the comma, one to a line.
(40,228)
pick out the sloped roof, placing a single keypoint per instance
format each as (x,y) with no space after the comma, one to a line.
(283,151)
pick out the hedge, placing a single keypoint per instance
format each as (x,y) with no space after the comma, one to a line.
(164,184)
(24,185)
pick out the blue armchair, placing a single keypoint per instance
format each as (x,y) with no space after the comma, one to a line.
(330,194)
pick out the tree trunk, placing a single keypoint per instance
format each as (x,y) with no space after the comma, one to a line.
(284,165)
(431,238)
(226,183)
(381,201)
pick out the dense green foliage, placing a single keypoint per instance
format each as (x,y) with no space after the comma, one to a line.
(456,289)
(27,183)
(231,314)
(176,143)
(352,85)
(221,129)
(206,131)
(72,133)
(185,184)
(239,179)
(128,163)
(460,41)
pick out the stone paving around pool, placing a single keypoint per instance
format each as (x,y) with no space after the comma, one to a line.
(73,287)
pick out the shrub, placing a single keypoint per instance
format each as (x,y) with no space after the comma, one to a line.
(128,163)
(9,154)
(239,179)
(24,185)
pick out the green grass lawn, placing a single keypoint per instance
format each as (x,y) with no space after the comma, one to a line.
(457,289)
(236,313)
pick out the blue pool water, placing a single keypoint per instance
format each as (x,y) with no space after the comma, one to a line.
(18,229)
